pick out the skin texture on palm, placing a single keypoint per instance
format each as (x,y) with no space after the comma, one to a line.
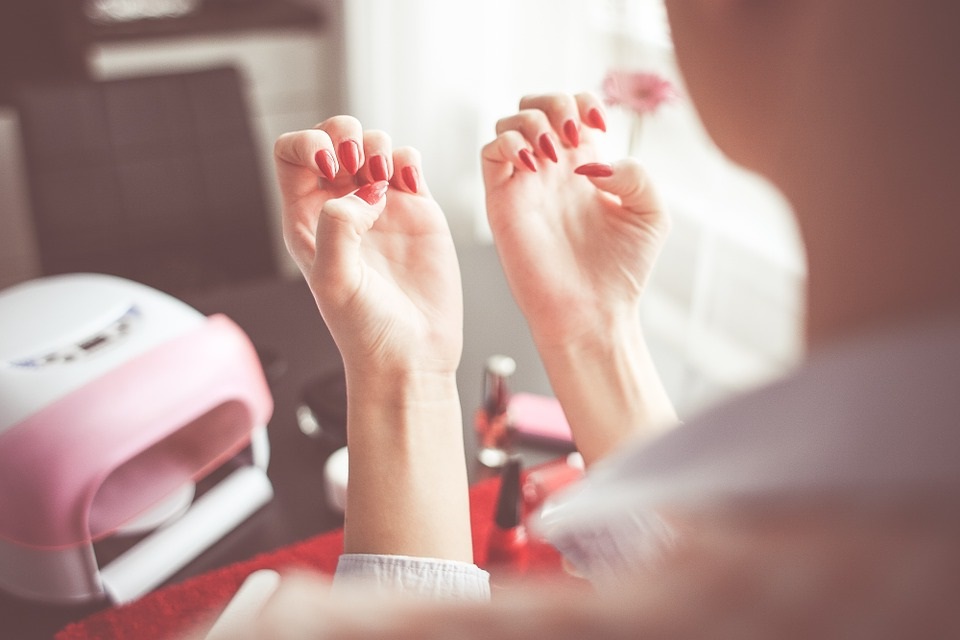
(577,250)
(391,265)
(380,261)
(569,247)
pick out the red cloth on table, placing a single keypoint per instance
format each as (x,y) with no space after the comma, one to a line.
(174,610)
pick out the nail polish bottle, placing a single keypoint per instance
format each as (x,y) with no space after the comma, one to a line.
(547,480)
(491,420)
(508,544)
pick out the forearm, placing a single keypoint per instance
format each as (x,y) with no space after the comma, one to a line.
(407,488)
(609,388)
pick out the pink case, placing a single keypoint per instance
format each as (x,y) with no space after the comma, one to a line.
(539,417)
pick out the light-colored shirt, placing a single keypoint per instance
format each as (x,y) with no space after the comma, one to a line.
(418,577)
(874,418)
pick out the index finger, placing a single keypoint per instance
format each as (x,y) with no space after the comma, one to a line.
(561,111)
(567,112)
(297,156)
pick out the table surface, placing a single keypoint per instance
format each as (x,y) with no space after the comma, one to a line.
(281,318)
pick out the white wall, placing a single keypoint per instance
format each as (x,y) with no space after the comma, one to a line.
(438,74)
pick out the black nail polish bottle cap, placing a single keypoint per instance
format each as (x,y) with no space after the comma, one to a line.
(508,514)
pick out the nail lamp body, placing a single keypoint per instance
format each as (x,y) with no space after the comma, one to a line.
(115,399)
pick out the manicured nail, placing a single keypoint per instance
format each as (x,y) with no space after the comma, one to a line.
(546,145)
(572,131)
(349,152)
(595,118)
(411,179)
(373,192)
(378,167)
(594,170)
(527,159)
(327,164)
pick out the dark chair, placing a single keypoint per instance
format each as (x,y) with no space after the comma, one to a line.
(39,40)
(155,179)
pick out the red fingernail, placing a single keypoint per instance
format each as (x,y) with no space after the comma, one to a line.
(373,192)
(327,164)
(594,170)
(595,118)
(378,167)
(572,131)
(527,159)
(546,144)
(349,152)
(411,179)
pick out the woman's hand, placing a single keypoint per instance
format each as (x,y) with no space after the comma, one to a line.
(378,255)
(577,249)
(380,260)
(578,240)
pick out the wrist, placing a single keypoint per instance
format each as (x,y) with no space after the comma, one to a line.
(609,387)
(398,410)
(407,492)
(399,387)
(599,331)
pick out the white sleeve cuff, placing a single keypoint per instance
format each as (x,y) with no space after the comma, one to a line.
(418,577)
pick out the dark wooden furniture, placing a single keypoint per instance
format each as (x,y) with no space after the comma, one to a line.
(37,42)
(44,40)
(156,179)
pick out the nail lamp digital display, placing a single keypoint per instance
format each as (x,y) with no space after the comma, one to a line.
(115,400)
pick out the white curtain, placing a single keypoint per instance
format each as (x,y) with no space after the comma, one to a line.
(437,74)
(724,308)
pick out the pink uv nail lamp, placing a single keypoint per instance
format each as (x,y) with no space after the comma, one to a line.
(115,401)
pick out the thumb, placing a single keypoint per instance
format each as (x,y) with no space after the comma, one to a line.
(627,180)
(343,222)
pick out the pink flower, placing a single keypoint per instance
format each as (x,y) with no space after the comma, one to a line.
(641,92)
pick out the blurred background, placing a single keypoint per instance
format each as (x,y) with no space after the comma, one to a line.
(89,161)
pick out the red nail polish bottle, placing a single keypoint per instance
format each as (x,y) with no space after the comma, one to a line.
(492,420)
(543,482)
(508,544)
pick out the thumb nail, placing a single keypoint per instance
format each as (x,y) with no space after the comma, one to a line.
(373,192)
(594,170)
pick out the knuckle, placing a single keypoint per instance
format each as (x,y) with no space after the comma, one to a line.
(337,210)
(505,124)
(533,118)
(587,97)
(529,99)
(411,154)
(281,144)
(378,136)
(553,103)
(559,101)
(341,121)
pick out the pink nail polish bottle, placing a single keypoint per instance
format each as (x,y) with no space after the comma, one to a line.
(508,544)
